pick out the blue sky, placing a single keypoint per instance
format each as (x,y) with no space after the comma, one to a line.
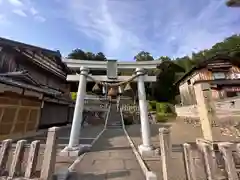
(119,28)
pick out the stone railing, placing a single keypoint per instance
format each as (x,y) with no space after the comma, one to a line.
(27,158)
(203,159)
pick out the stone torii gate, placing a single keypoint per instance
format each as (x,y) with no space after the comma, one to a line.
(112,68)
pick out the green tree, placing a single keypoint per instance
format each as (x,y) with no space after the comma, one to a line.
(100,57)
(143,56)
(77,54)
(90,56)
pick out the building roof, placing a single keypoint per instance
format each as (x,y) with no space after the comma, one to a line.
(204,63)
(25,81)
(8,42)
(221,82)
(46,52)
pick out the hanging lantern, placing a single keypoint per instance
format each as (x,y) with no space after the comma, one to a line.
(112,92)
(127,88)
(96,88)
(119,90)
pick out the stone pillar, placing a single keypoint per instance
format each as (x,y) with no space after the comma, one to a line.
(226,149)
(189,162)
(165,150)
(78,110)
(143,108)
(206,109)
(208,159)
(50,153)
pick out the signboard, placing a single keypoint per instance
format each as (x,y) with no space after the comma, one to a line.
(112,72)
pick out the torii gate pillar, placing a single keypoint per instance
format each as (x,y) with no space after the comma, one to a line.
(73,145)
(146,145)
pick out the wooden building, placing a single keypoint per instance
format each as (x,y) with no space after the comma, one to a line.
(222,72)
(33,89)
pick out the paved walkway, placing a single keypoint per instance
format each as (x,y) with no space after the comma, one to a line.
(111,157)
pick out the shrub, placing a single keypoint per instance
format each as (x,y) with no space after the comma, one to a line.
(152,105)
(163,117)
(74,95)
(163,107)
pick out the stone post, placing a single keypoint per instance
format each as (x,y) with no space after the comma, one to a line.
(17,160)
(79,106)
(226,150)
(189,162)
(32,159)
(206,109)
(50,152)
(4,154)
(208,159)
(165,150)
(146,145)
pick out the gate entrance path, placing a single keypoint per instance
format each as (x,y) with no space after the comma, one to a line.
(111,156)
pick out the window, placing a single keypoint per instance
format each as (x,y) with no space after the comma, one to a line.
(189,82)
(218,75)
(231,94)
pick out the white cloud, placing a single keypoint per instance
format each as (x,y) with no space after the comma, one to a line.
(105,21)
(173,27)
(20,12)
(33,11)
(15,2)
(40,18)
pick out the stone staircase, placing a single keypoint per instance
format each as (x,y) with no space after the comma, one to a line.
(114,119)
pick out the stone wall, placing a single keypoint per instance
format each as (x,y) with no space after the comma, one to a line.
(226,107)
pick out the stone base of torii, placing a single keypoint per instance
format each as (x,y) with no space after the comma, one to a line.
(74,148)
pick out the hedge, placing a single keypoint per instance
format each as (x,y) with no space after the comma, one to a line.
(160,107)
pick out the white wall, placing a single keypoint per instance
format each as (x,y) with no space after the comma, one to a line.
(223,108)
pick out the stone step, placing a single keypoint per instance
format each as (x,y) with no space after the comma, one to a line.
(114,127)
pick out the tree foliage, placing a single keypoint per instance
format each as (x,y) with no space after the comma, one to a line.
(143,56)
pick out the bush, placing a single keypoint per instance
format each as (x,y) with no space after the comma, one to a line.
(74,95)
(163,117)
(162,107)
(152,105)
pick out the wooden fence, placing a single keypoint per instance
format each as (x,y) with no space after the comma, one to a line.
(19,115)
(203,160)
(23,162)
